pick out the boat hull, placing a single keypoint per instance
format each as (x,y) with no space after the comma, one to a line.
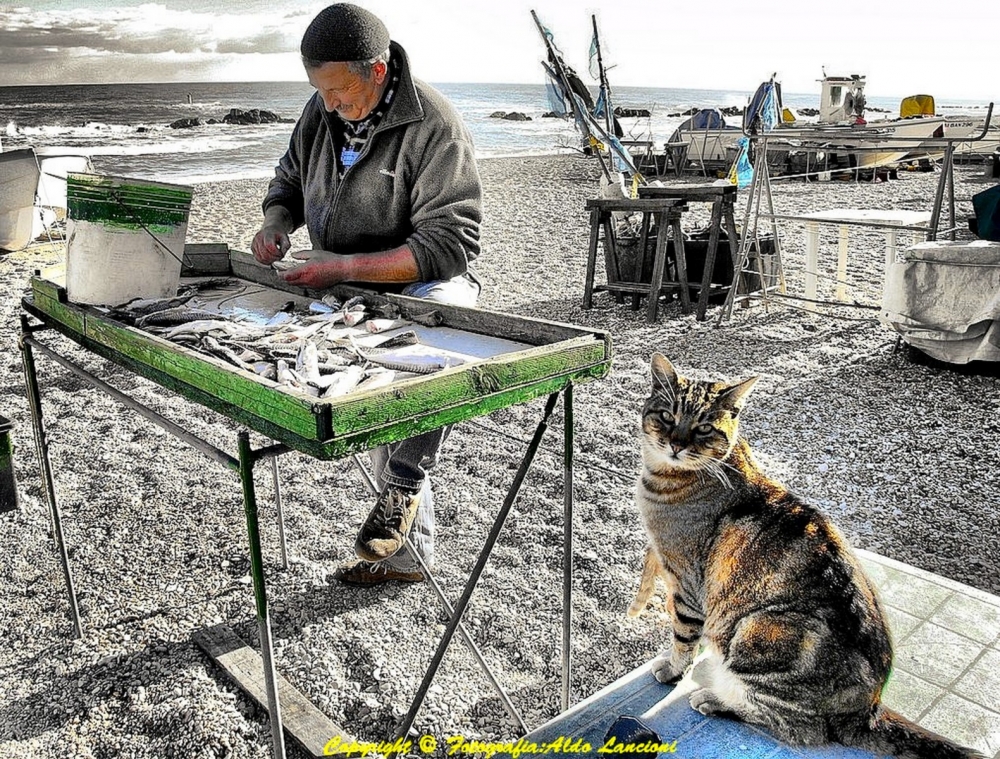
(18,183)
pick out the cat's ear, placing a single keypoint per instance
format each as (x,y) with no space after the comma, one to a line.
(735,395)
(664,374)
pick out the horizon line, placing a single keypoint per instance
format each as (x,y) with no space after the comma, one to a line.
(983,102)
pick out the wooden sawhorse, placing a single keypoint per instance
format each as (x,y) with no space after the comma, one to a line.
(723,200)
(667,213)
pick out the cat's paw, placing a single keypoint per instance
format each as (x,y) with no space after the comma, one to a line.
(664,671)
(704,701)
(637,608)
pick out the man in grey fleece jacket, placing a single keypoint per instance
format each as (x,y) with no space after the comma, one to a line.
(381,171)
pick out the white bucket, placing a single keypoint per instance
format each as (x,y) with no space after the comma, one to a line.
(125,238)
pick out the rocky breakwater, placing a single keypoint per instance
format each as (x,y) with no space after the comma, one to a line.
(512,116)
(235,116)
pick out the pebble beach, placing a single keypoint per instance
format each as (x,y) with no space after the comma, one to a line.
(899,451)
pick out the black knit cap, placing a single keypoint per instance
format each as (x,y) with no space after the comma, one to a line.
(344,32)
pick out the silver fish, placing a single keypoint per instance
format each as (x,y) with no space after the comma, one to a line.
(204,326)
(376,379)
(214,347)
(279,319)
(344,382)
(142,306)
(419,359)
(384,325)
(265,369)
(403,338)
(428,318)
(353,318)
(307,363)
(172,316)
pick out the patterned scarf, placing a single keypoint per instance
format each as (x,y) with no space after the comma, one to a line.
(357,133)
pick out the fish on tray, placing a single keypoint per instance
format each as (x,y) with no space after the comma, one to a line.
(417,358)
(312,352)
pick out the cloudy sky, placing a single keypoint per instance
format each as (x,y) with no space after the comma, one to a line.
(713,44)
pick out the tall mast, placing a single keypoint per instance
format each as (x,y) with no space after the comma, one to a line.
(557,66)
(608,109)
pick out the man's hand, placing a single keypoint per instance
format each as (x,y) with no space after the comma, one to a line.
(320,269)
(270,244)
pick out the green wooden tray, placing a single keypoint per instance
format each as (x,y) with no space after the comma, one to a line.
(556,355)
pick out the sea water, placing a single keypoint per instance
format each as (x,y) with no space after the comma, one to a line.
(126,127)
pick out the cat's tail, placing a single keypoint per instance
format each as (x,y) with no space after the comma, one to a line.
(891,733)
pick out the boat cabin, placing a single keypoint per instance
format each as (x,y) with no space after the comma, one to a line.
(842,99)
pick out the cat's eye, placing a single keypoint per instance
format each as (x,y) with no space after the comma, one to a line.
(704,429)
(668,419)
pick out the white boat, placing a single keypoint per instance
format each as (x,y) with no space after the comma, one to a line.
(18,182)
(972,127)
(33,191)
(840,136)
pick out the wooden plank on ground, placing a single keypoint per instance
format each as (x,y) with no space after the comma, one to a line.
(306,724)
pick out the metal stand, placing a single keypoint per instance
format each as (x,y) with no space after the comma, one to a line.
(760,185)
(244,464)
(477,571)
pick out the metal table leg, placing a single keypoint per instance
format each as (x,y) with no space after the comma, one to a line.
(247,460)
(281,514)
(35,401)
(450,611)
(567,544)
(477,570)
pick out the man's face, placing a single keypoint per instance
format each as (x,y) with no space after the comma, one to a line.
(351,96)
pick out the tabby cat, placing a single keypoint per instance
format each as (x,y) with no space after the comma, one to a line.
(797,640)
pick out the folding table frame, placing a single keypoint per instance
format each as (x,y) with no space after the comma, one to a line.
(248,457)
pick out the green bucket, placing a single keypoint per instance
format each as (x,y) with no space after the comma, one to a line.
(125,238)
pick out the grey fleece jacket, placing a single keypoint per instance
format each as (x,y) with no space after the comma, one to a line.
(416,182)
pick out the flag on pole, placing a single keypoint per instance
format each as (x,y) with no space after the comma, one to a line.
(595,68)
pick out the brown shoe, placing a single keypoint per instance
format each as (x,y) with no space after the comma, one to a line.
(369,573)
(387,525)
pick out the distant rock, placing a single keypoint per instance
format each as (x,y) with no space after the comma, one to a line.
(551,115)
(732,110)
(498,115)
(631,113)
(808,111)
(253,116)
(186,123)
(516,116)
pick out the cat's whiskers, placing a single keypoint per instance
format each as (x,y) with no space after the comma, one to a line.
(714,467)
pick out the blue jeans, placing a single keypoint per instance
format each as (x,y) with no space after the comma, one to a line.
(407,463)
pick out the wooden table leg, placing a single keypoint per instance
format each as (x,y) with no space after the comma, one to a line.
(611,255)
(659,265)
(706,275)
(595,231)
(681,262)
(640,259)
